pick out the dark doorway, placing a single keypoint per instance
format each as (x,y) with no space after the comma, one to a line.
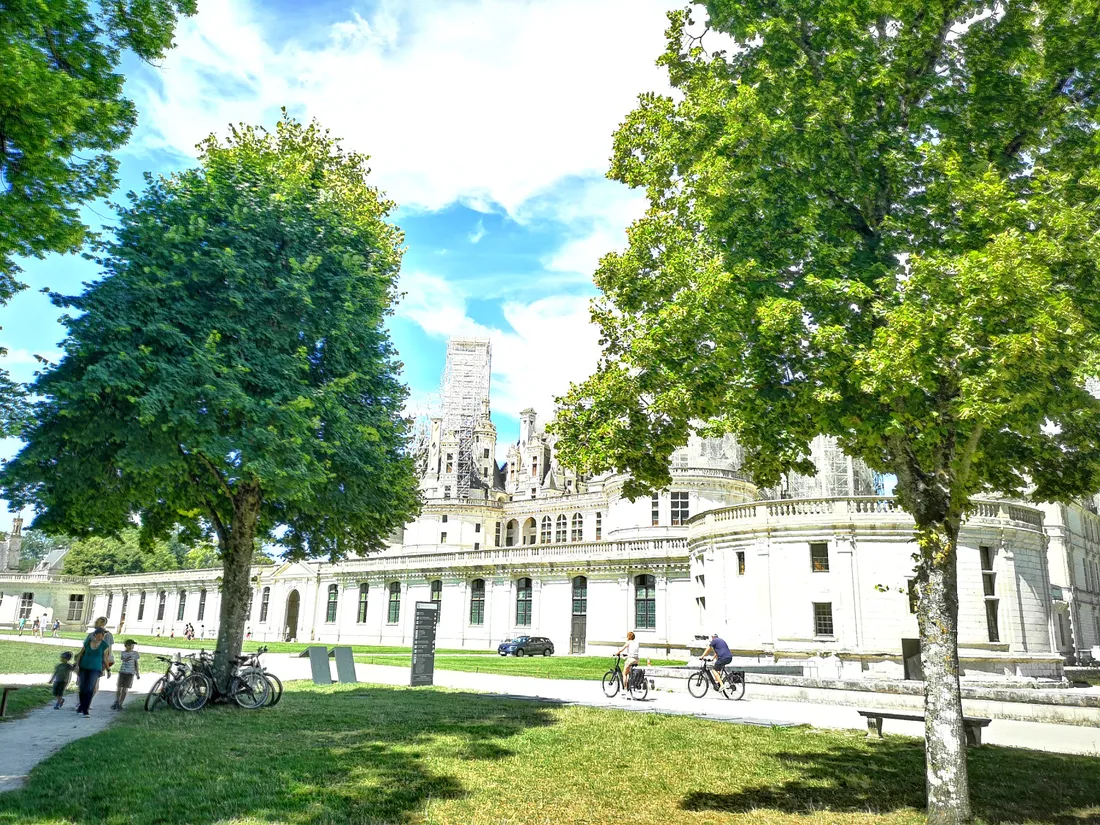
(910,657)
(292,603)
(577,634)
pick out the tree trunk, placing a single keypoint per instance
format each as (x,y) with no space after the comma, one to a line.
(236,581)
(948,786)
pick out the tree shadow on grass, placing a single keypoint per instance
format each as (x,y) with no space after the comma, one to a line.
(1008,785)
(323,755)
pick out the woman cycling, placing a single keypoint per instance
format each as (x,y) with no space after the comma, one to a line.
(633,651)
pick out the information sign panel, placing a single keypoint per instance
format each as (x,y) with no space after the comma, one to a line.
(423,658)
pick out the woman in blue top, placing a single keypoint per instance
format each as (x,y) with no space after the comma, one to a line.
(91,662)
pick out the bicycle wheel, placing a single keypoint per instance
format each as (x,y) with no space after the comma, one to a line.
(640,689)
(276,689)
(193,692)
(734,686)
(698,685)
(156,695)
(250,689)
(611,683)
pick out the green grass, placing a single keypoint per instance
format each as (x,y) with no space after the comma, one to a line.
(26,699)
(544,667)
(371,755)
(249,646)
(25,657)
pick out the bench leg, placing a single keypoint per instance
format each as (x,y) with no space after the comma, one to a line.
(874,726)
(973,734)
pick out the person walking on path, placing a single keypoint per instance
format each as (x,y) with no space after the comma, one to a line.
(22,624)
(109,639)
(60,679)
(55,632)
(35,627)
(91,661)
(127,671)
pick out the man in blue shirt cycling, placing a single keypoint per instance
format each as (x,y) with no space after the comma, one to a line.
(722,656)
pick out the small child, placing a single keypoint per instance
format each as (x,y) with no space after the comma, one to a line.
(127,672)
(60,679)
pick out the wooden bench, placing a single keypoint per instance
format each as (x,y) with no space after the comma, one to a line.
(971,724)
(4,698)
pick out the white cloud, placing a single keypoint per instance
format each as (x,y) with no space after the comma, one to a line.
(481,102)
(478,233)
(547,343)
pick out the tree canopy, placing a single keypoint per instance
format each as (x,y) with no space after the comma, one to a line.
(231,371)
(877,220)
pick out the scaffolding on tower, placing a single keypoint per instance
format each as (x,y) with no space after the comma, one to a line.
(465,392)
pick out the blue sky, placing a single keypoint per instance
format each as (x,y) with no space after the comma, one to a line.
(488,121)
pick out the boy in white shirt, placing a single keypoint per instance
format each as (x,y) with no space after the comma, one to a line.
(127,672)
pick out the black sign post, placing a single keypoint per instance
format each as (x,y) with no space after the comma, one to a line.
(423,660)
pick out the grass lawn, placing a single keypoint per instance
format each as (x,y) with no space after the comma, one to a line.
(275,647)
(24,657)
(546,667)
(361,754)
(26,699)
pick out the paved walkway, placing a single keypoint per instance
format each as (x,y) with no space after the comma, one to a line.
(50,730)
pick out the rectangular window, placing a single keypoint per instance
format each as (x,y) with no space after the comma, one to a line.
(991,620)
(534,493)
(110,602)
(645,602)
(437,591)
(655,510)
(26,605)
(442,538)
(523,603)
(484,472)
(162,600)
(141,606)
(989,578)
(444,518)
(680,510)
(202,603)
(819,557)
(599,526)
(447,491)
(265,603)
(76,607)
(361,614)
(477,602)
(740,562)
(496,539)
(395,603)
(485,453)
(450,462)
(477,545)
(333,603)
(477,527)
(823,618)
(914,595)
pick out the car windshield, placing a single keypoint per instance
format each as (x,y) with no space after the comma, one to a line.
(521,639)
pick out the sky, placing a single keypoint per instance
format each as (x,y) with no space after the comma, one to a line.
(489,122)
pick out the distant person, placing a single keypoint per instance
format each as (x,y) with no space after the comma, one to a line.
(22,624)
(127,671)
(60,679)
(722,656)
(91,663)
(157,633)
(56,630)
(35,627)
(248,632)
(202,631)
(633,651)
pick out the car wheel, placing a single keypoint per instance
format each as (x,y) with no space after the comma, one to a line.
(519,653)
(546,651)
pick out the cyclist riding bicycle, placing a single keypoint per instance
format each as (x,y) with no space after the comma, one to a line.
(633,651)
(722,656)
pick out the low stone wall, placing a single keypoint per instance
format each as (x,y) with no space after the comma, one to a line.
(1022,700)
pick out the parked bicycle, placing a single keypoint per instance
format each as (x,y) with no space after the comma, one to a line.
(179,687)
(248,685)
(613,681)
(732,685)
(253,660)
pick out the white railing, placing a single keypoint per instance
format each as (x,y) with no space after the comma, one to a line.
(31,578)
(856,508)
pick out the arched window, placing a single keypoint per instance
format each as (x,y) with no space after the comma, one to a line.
(577,531)
(141,606)
(202,603)
(437,591)
(333,603)
(182,605)
(477,601)
(547,527)
(162,600)
(523,602)
(361,615)
(645,602)
(395,603)
(529,531)
(110,601)
(265,598)
(559,531)
(580,596)
(511,531)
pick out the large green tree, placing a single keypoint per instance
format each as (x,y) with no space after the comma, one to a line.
(232,368)
(62,113)
(874,219)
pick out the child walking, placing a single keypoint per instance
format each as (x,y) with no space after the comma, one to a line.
(127,672)
(60,679)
